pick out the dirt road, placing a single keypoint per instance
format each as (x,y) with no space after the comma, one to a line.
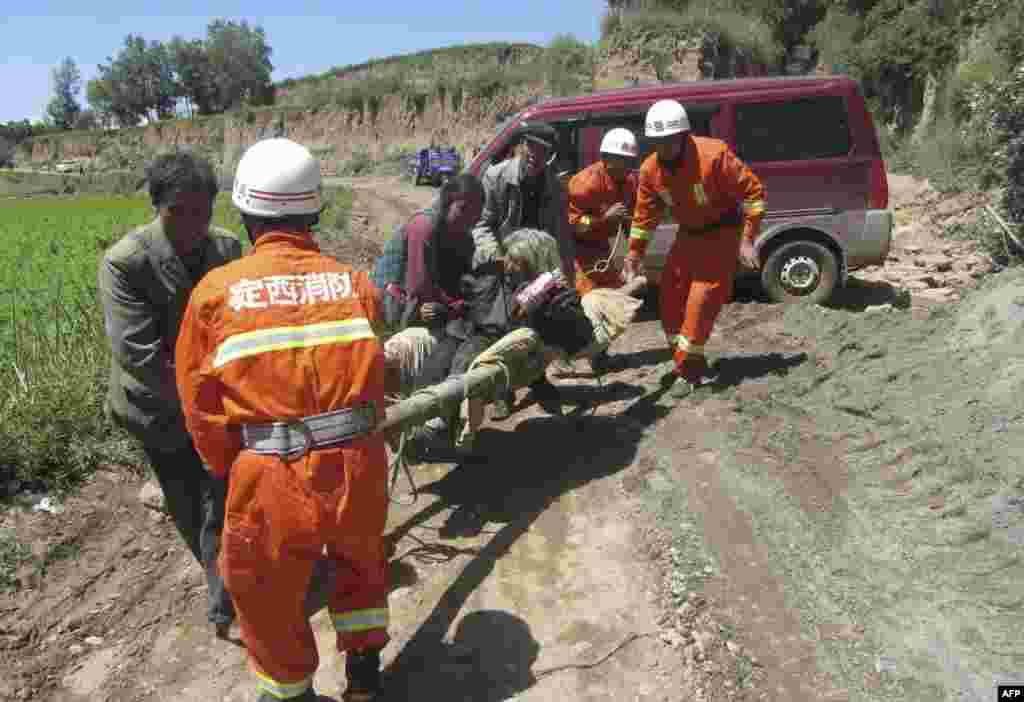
(739,546)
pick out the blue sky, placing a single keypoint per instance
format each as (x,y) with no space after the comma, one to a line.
(314,37)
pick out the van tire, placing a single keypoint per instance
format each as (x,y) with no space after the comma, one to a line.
(800,271)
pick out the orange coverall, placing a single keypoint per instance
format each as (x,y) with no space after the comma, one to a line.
(591,192)
(283,333)
(706,192)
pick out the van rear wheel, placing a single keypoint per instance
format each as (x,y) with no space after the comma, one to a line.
(800,271)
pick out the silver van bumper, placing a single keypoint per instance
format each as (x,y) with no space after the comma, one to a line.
(878,226)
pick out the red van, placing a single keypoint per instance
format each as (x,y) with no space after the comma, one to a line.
(811,140)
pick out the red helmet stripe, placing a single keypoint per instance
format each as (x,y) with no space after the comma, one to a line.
(283,197)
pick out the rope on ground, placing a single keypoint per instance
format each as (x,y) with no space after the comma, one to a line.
(538,674)
(434,553)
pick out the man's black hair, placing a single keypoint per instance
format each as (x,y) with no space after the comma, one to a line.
(178,172)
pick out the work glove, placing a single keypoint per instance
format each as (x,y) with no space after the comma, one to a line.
(632,266)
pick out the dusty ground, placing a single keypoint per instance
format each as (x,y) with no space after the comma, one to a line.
(813,527)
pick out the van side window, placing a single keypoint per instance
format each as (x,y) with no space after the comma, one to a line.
(591,132)
(795,130)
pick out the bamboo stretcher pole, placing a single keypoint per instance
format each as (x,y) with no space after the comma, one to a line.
(445,397)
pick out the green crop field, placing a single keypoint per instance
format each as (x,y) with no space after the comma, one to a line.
(53,350)
(49,250)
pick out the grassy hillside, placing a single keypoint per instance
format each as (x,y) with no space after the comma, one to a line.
(479,71)
(459,56)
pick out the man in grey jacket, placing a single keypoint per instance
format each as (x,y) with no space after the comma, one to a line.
(145,280)
(525,192)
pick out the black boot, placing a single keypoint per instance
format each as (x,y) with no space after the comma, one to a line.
(547,396)
(502,408)
(362,668)
(604,362)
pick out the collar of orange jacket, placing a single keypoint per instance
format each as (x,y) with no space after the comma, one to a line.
(687,154)
(274,237)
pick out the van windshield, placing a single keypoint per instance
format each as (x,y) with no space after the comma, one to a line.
(505,122)
(499,130)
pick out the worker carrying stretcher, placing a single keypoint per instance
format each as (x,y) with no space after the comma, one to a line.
(718,204)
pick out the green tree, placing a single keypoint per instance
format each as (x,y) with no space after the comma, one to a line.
(86,119)
(100,94)
(139,82)
(239,57)
(197,82)
(63,109)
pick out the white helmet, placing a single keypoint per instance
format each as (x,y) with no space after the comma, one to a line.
(276,178)
(620,142)
(665,118)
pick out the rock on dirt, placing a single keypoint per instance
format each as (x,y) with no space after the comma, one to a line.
(921,260)
(152,496)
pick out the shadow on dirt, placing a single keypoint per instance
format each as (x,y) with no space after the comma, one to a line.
(518,475)
(747,288)
(513,479)
(858,295)
(733,368)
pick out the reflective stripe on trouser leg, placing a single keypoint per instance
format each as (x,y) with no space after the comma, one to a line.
(281,690)
(361,628)
(681,343)
(709,292)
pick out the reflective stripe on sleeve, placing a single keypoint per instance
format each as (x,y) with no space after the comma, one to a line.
(639,233)
(279,338)
(360,620)
(753,207)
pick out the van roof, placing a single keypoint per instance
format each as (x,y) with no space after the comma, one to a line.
(696,89)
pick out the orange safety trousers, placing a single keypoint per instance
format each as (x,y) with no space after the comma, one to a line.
(696,284)
(280,517)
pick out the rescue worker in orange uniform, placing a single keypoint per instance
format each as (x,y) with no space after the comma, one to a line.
(718,204)
(281,376)
(601,199)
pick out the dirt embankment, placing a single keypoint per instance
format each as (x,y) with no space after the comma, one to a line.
(838,517)
(333,134)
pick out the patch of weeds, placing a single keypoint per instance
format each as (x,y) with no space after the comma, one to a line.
(744,671)
(690,563)
(13,554)
(361,163)
(55,553)
(727,630)
(981,230)
(786,442)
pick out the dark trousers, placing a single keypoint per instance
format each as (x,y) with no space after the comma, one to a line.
(195,501)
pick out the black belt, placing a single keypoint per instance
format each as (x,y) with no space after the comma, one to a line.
(295,438)
(732,219)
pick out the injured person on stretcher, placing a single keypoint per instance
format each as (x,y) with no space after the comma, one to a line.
(526,290)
